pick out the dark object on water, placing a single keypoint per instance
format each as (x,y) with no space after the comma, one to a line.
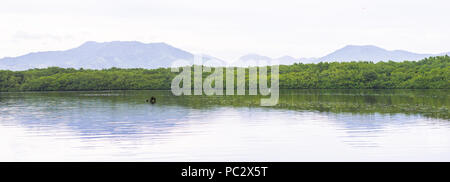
(152,100)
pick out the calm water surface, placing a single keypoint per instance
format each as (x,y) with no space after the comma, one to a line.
(307,125)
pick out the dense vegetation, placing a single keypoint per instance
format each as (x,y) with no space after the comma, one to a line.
(433,72)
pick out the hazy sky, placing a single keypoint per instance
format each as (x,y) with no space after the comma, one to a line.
(227,29)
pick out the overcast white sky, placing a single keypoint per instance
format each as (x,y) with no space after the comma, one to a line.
(227,29)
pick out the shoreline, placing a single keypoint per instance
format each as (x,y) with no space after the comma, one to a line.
(353,89)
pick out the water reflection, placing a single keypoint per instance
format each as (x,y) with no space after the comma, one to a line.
(307,125)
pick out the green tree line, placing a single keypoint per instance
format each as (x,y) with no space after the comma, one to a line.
(429,73)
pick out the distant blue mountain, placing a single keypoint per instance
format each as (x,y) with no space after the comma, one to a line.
(370,53)
(95,55)
(345,54)
(132,54)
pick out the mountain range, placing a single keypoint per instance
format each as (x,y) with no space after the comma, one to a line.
(133,54)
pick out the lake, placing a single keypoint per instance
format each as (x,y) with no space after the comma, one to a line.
(306,125)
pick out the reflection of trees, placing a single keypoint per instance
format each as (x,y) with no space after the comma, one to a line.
(360,114)
(431,103)
(93,114)
(126,112)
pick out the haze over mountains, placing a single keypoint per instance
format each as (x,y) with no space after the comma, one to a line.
(132,54)
(94,55)
(372,53)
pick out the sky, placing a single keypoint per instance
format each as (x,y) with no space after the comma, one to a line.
(227,29)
